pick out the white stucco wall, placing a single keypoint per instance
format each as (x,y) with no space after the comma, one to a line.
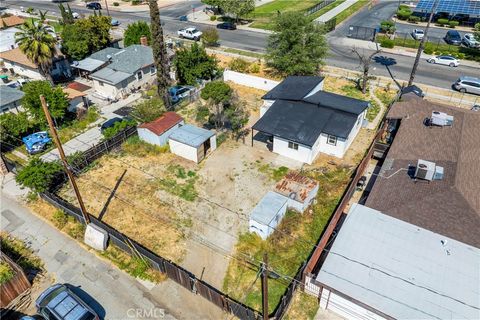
(303,154)
(345,308)
(249,80)
(74,104)
(7,39)
(183,150)
(263,230)
(213,143)
(23,70)
(152,138)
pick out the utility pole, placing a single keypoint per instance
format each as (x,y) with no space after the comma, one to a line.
(422,44)
(106,7)
(64,160)
(265,286)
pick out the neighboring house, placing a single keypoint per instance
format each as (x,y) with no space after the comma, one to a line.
(129,69)
(95,61)
(158,131)
(7,39)
(431,173)
(76,99)
(16,62)
(300,120)
(11,21)
(267,214)
(300,190)
(10,98)
(380,267)
(192,143)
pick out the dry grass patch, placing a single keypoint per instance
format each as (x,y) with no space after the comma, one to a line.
(302,307)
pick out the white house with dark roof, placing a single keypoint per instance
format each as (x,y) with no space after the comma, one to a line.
(127,69)
(301,120)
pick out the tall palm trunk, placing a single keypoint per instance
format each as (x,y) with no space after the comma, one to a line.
(159,54)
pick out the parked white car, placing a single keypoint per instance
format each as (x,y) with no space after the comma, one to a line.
(445,60)
(191,33)
(418,34)
(470,41)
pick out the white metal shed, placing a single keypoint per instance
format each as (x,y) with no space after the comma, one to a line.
(192,143)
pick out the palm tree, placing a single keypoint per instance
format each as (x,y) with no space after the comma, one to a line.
(159,54)
(37,44)
(42,15)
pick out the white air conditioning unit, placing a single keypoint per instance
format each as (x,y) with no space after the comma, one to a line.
(441,119)
(425,170)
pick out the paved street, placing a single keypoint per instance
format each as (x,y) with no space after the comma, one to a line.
(112,293)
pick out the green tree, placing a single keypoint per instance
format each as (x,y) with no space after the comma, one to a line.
(135,31)
(38,175)
(194,63)
(159,54)
(86,36)
(14,127)
(477,32)
(297,46)
(217,91)
(213,3)
(148,110)
(37,44)
(42,15)
(55,97)
(210,37)
(238,8)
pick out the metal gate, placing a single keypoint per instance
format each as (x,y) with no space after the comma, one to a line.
(362,33)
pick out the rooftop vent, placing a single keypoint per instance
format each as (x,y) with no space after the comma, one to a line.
(441,119)
(427,170)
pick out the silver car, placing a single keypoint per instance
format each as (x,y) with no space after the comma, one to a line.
(468,84)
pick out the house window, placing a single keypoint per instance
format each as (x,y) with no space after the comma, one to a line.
(152,70)
(100,83)
(332,140)
(139,75)
(293,145)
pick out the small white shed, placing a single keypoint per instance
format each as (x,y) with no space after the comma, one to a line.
(192,143)
(158,131)
(267,214)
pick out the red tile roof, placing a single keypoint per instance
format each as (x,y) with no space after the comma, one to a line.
(78,86)
(162,124)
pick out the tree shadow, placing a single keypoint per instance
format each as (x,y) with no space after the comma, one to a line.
(88,299)
(387,62)
(110,197)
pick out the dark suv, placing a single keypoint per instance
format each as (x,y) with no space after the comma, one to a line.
(94,6)
(59,303)
(453,37)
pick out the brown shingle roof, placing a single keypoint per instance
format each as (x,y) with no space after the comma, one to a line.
(11,21)
(162,124)
(17,56)
(450,206)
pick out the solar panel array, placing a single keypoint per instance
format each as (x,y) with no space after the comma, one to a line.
(470,7)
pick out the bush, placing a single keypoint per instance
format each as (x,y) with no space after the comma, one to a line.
(116,4)
(453,24)
(387,43)
(136,2)
(414,19)
(239,65)
(38,175)
(428,49)
(6,272)
(254,68)
(387,26)
(404,14)
(213,18)
(210,37)
(442,21)
(403,7)
(202,114)
(117,127)
(30,10)
(60,219)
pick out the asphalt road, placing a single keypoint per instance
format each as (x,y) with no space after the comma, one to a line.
(339,56)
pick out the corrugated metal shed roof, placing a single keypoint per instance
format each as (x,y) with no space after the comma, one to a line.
(268,208)
(403,270)
(191,135)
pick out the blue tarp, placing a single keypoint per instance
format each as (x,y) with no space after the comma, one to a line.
(36,141)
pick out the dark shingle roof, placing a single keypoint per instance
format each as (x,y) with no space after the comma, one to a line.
(337,102)
(293,88)
(450,206)
(303,122)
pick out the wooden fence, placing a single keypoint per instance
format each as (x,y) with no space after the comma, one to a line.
(15,286)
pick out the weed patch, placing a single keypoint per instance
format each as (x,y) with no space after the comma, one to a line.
(180,183)
(6,272)
(18,251)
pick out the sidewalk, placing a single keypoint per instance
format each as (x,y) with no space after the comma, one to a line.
(92,136)
(356,43)
(335,11)
(203,18)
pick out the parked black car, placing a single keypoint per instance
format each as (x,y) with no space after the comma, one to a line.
(94,6)
(227,26)
(453,37)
